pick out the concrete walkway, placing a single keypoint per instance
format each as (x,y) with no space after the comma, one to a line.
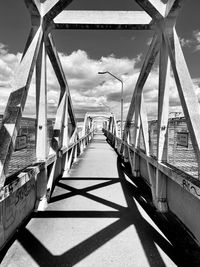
(92,221)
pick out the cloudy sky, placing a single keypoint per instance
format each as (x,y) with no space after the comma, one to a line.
(84,53)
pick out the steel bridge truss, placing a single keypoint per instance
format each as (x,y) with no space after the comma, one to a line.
(51,15)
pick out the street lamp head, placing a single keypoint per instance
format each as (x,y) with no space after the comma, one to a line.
(102,72)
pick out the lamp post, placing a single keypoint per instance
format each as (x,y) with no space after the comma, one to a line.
(122,100)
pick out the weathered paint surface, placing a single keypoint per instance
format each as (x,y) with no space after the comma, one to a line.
(17,206)
(17,201)
(182,190)
(184,205)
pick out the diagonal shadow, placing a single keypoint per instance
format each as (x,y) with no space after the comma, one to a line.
(104,201)
(142,227)
(74,255)
(131,192)
(71,257)
(89,188)
(88,246)
(127,216)
(89,196)
(35,248)
(83,192)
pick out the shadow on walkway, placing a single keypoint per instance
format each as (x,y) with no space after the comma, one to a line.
(127,216)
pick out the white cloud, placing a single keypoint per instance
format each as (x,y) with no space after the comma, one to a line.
(196,35)
(3,49)
(193,43)
(186,42)
(90,91)
(149,40)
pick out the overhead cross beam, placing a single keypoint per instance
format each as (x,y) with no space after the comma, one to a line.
(51,8)
(155,8)
(99,20)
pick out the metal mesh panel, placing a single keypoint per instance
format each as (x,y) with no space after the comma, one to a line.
(180,150)
(153,134)
(24,153)
(25,149)
(141,141)
(181,154)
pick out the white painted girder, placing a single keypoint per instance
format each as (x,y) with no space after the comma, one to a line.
(155,8)
(51,8)
(23,74)
(57,66)
(90,19)
(146,68)
(55,61)
(163,102)
(16,103)
(57,140)
(41,105)
(162,125)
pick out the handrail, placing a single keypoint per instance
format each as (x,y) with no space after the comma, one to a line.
(51,158)
(178,176)
(66,149)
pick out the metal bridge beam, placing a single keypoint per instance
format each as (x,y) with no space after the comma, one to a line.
(157,16)
(16,103)
(99,20)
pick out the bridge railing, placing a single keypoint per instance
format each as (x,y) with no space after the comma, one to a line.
(176,191)
(171,190)
(76,148)
(29,189)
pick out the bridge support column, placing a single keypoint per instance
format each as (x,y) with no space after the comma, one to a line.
(41,105)
(41,110)
(152,179)
(162,126)
(41,191)
(136,158)
(81,147)
(136,165)
(68,160)
(65,137)
(161,192)
(75,152)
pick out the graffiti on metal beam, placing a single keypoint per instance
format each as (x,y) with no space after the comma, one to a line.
(18,205)
(190,187)
(21,179)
